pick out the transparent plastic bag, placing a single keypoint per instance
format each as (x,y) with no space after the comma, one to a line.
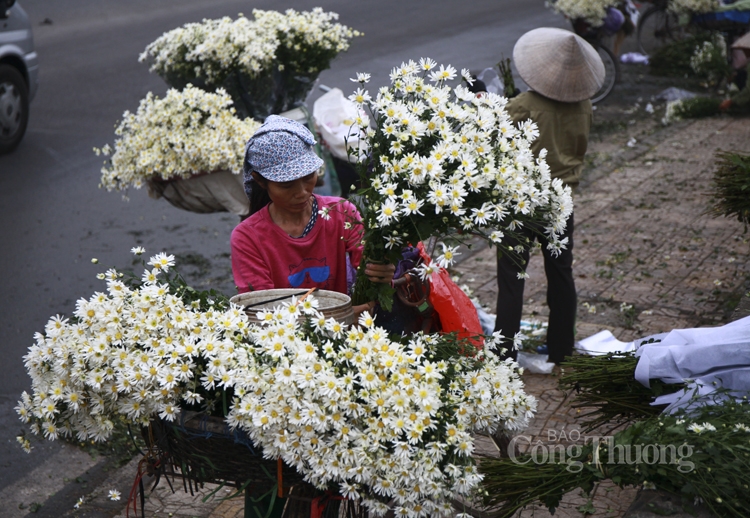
(492,81)
(334,115)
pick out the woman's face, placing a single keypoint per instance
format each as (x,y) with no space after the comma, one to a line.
(292,196)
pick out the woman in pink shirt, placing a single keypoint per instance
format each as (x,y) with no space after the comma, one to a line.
(294,238)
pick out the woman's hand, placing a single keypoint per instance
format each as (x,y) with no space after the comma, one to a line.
(380,272)
(361,308)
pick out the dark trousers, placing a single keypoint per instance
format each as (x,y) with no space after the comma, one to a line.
(561,294)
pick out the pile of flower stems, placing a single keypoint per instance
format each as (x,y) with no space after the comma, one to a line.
(730,194)
(607,392)
(512,485)
(702,455)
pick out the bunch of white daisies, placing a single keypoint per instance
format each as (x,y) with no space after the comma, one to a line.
(308,40)
(442,160)
(385,420)
(592,12)
(693,6)
(709,60)
(304,42)
(137,352)
(381,419)
(187,132)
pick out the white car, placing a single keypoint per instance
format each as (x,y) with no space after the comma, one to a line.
(19,70)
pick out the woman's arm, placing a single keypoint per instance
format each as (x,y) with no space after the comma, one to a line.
(353,237)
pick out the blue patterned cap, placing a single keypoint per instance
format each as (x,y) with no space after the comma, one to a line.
(281,150)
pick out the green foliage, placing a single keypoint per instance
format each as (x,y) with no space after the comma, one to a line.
(730,188)
(701,455)
(697,108)
(606,387)
(506,74)
(674,59)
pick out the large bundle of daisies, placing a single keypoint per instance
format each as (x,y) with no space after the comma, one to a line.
(211,49)
(186,133)
(379,419)
(274,56)
(693,6)
(593,12)
(441,160)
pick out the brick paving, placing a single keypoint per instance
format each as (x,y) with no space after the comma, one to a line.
(641,240)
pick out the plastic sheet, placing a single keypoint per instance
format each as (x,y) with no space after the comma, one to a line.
(536,363)
(492,81)
(221,191)
(334,115)
(603,342)
(675,94)
(634,57)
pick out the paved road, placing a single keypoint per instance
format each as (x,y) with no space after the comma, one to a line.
(55,219)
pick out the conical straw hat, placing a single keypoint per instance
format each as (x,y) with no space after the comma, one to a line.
(742,43)
(558,64)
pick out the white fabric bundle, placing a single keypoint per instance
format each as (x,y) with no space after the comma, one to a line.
(706,359)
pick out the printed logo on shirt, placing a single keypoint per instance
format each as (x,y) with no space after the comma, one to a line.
(309,273)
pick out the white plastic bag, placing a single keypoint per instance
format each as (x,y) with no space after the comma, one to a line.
(334,115)
(492,81)
(535,363)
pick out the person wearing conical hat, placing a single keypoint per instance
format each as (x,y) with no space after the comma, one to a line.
(563,72)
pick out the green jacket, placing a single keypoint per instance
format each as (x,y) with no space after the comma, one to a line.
(563,131)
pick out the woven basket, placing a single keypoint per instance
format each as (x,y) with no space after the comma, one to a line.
(202,449)
(331,303)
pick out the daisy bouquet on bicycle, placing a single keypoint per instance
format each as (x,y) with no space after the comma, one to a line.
(268,64)
(592,12)
(693,6)
(440,161)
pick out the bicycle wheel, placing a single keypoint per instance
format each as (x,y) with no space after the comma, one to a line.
(656,28)
(611,72)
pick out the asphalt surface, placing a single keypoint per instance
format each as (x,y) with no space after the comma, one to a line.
(55,218)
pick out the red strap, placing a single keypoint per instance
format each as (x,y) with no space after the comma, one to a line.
(133,497)
(319,503)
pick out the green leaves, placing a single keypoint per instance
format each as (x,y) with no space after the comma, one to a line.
(661,450)
(731,181)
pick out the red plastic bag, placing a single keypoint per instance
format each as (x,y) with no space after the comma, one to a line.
(455,309)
